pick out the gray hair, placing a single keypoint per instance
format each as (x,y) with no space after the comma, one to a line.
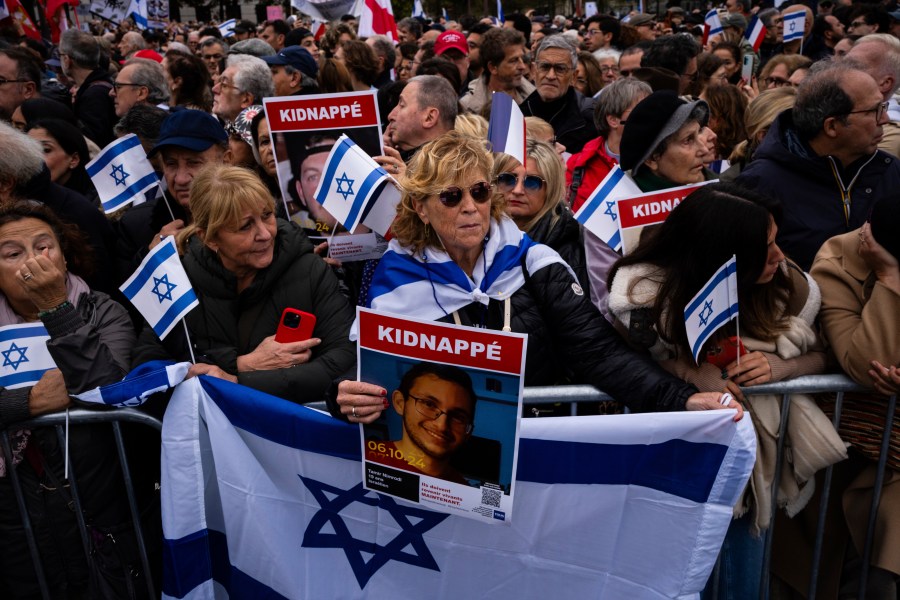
(607,53)
(81,47)
(22,157)
(558,41)
(180,47)
(252,76)
(887,56)
(820,96)
(253,47)
(214,40)
(133,38)
(615,100)
(383,47)
(435,91)
(144,120)
(767,14)
(150,74)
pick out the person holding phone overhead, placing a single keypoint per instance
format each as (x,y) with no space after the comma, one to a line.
(247,267)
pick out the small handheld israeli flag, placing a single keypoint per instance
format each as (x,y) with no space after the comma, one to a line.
(142,382)
(794,26)
(23,350)
(712,307)
(352,184)
(715,23)
(500,16)
(506,131)
(599,213)
(227,28)
(121,173)
(417,10)
(160,289)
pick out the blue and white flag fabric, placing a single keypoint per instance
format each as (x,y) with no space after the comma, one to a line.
(417,10)
(600,215)
(142,382)
(506,130)
(429,285)
(794,26)
(121,173)
(712,307)
(355,189)
(715,24)
(500,16)
(138,12)
(160,289)
(445,15)
(227,28)
(263,498)
(26,358)
(4,9)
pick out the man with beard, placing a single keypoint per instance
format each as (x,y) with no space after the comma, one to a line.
(502,53)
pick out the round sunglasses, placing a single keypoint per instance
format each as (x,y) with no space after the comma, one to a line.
(508,181)
(452,196)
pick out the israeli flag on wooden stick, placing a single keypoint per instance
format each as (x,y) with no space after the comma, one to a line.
(23,350)
(506,131)
(121,173)
(599,213)
(712,307)
(160,289)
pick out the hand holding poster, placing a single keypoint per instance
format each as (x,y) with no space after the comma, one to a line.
(450,437)
(637,212)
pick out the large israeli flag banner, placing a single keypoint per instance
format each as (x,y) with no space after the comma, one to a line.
(599,213)
(712,307)
(26,358)
(160,289)
(121,173)
(351,183)
(139,384)
(263,498)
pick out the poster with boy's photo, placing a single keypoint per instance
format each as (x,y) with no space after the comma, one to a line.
(449,437)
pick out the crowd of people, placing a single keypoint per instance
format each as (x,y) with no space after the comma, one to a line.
(802,135)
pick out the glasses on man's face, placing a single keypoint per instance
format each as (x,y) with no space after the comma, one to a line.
(452,196)
(878,109)
(531,183)
(118,86)
(591,32)
(608,69)
(215,57)
(858,23)
(776,82)
(560,69)
(224,84)
(5,80)
(428,408)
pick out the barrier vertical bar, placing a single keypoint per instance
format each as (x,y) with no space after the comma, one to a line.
(767,553)
(76,500)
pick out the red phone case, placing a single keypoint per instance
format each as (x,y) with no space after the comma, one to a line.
(725,352)
(303,331)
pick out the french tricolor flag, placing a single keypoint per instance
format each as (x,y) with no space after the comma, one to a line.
(755,33)
(506,131)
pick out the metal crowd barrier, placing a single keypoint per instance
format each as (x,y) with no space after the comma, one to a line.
(82,417)
(572,395)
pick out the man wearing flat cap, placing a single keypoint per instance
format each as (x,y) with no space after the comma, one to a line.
(645,25)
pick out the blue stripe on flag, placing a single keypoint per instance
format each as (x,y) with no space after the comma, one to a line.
(206,554)
(730,269)
(144,275)
(677,467)
(396,270)
(19,333)
(498,128)
(342,149)
(283,422)
(130,192)
(23,377)
(599,195)
(508,257)
(711,326)
(363,195)
(174,313)
(111,153)
(615,240)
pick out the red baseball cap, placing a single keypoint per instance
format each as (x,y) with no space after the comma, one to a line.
(451,39)
(151,54)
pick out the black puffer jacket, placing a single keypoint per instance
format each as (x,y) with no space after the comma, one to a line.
(566,236)
(571,116)
(228,324)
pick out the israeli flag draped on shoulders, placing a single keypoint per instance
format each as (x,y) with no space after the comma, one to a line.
(160,289)
(23,349)
(599,214)
(121,173)
(712,307)
(263,498)
(506,130)
(430,285)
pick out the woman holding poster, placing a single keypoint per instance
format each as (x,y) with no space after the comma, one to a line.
(455,257)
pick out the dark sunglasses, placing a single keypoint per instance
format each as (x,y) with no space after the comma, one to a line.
(452,196)
(508,181)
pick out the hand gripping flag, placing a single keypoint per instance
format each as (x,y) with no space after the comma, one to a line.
(160,289)
(142,382)
(794,26)
(263,498)
(227,28)
(506,131)
(599,213)
(377,18)
(355,189)
(756,33)
(121,173)
(712,307)
(23,349)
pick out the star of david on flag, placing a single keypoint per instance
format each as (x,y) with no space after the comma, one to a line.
(355,189)
(794,26)
(599,213)
(712,307)
(227,28)
(24,354)
(121,173)
(150,289)
(629,506)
